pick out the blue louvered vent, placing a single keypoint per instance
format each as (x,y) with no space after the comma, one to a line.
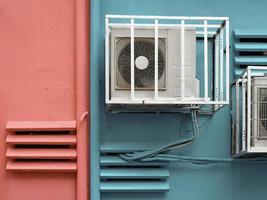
(118,175)
(250,47)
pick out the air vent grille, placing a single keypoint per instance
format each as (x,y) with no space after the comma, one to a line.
(250,47)
(41,146)
(118,175)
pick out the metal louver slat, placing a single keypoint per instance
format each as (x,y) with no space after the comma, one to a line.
(41,139)
(251,60)
(134,186)
(142,173)
(41,125)
(117,161)
(42,166)
(40,153)
(251,46)
(253,33)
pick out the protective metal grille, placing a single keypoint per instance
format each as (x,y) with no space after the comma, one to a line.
(262,110)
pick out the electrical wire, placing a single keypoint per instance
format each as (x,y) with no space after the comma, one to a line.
(159,155)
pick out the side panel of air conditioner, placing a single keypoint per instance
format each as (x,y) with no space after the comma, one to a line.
(174,63)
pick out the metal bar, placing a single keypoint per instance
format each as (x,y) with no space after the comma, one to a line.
(165,25)
(243,115)
(206,81)
(182,60)
(165,17)
(203,33)
(107,59)
(248,109)
(156,58)
(162,101)
(216,67)
(132,59)
(227,59)
(237,131)
(221,63)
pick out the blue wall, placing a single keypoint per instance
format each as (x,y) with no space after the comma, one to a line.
(187,181)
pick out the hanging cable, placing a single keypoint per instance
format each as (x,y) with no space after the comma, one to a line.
(159,154)
(154,154)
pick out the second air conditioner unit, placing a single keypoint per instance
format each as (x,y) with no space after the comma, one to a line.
(249,121)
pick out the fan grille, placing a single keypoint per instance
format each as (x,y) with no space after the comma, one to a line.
(263,111)
(144,78)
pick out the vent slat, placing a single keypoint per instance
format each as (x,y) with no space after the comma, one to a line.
(242,33)
(136,173)
(41,153)
(251,47)
(43,166)
(41,139)
(251,60)
(117,161)
(125,147)
(41,125)
(129,186)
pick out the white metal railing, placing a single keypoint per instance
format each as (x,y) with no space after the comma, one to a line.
(215,28)
(242,110)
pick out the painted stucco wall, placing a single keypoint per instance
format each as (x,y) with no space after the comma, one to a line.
(187,181)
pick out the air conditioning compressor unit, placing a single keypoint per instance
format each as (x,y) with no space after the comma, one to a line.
(249,121)
(153,65)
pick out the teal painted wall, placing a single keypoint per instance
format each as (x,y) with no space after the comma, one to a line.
(187,181)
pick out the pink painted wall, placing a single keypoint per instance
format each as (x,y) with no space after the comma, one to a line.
(37,82)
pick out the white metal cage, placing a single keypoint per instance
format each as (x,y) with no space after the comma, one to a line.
(248,113)
(214,82)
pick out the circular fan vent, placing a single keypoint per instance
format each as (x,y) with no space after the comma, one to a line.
(144,63)
(263,113)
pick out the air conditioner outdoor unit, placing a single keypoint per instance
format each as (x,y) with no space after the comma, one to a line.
(259,111)
(164,63)
(169,67)
(249,136)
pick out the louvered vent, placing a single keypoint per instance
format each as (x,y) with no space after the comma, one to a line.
(43,146)
(118,175)
(250,47)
